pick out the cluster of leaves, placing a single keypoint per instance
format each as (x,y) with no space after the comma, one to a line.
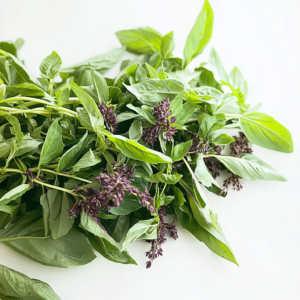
(89,162)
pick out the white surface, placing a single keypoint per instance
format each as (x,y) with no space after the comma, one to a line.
(261,222)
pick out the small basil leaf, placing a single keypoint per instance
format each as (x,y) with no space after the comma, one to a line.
(53,145)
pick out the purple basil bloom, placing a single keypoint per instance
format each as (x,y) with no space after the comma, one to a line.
(112,193)
(162,124)
(156,250)
(110,118)
(240,145)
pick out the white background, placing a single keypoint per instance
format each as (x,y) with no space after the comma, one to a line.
(261,222)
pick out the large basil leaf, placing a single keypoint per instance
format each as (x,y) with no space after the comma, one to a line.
(103,243)
(136,151)
(100,63)
(142,40)
(53,145)
(152,91)
(88,160)
(249,167)
(15,285)
(180,150)
(50,65)
(71,156)
(142,230)
(265,131)
(213,238)
(69,250)
(200,34)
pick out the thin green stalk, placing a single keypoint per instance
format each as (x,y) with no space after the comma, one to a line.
(55,187)
(26,99)
(66,175)
(162,192)
(9,170)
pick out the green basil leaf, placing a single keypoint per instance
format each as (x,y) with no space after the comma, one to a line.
(200,34)
(46,212)
(16,126)
(103,243)
(71,156)
(221,139)
(18,72)
(50,65)
(152,72)
(119,227)
(69,250)
(217,67)
(176,105)
(126,116)
(136,73)
(143,112)
(130,204)
(202,173)
(18,286)
(167,45)
(63,96)
(165,178)
(152,91)
(88,160)
(238,82)
(14,194)
(53,145)
(265,131)
(142,40)
(142,230)
(101,86)
(229,106)
(59,221)
(136,130)
(185,114)
(93,119)
(208,123)
(206,78)
(249,167)
(136,151)
(28,90)
(28,144)
(213,238)
(180,150)
(100,63)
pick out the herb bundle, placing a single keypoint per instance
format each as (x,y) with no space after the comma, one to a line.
(89,162)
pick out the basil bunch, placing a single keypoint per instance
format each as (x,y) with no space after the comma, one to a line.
(89,162)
